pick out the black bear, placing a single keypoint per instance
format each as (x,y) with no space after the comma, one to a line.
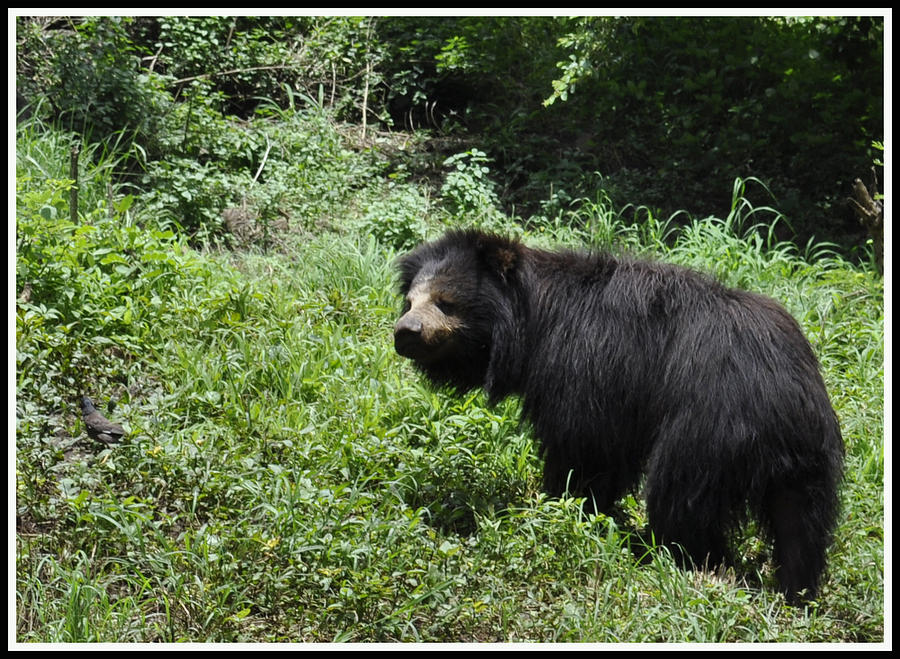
(630,369)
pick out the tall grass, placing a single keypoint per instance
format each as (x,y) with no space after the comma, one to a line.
(287,478)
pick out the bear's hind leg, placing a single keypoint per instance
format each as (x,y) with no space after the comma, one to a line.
(688,515)
(694,539)
(801,522)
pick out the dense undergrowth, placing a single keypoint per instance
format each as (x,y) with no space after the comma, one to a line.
(662,111)
(286,477)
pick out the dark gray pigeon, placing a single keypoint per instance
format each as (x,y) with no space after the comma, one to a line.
(98,426)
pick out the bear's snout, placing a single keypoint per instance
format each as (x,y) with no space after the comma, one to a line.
(408,340)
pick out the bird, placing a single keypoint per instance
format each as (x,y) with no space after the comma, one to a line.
(98,426)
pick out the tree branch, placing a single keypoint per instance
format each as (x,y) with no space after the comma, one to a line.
(870,212)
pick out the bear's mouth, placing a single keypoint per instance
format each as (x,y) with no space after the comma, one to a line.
(412,346)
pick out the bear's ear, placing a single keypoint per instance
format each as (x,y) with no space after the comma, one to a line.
(501,255)
(407,266)
(505,261)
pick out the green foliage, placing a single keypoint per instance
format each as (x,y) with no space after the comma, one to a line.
(468,189)
(242,58)
(87,291)
(312,167)
(667,110)
(465,72)
(688,103)
(397,218)
(270,57)
(284,163)
(88,74)
(208,166)
(192,195)
(286,476)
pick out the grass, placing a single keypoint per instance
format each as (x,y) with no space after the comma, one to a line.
(288,478)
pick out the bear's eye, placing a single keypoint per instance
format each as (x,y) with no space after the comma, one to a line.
(445,306)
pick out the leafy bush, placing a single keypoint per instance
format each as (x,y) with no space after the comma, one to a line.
(469,72)
(192,195)
(242,58)
(684,105)
(88,74)
(87,292)
(397,218)
(468,192)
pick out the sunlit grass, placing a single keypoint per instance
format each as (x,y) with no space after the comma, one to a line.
(287,478)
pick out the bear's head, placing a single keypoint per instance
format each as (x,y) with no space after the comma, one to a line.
(456,294)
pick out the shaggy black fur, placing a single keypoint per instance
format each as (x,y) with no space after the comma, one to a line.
(630,368)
